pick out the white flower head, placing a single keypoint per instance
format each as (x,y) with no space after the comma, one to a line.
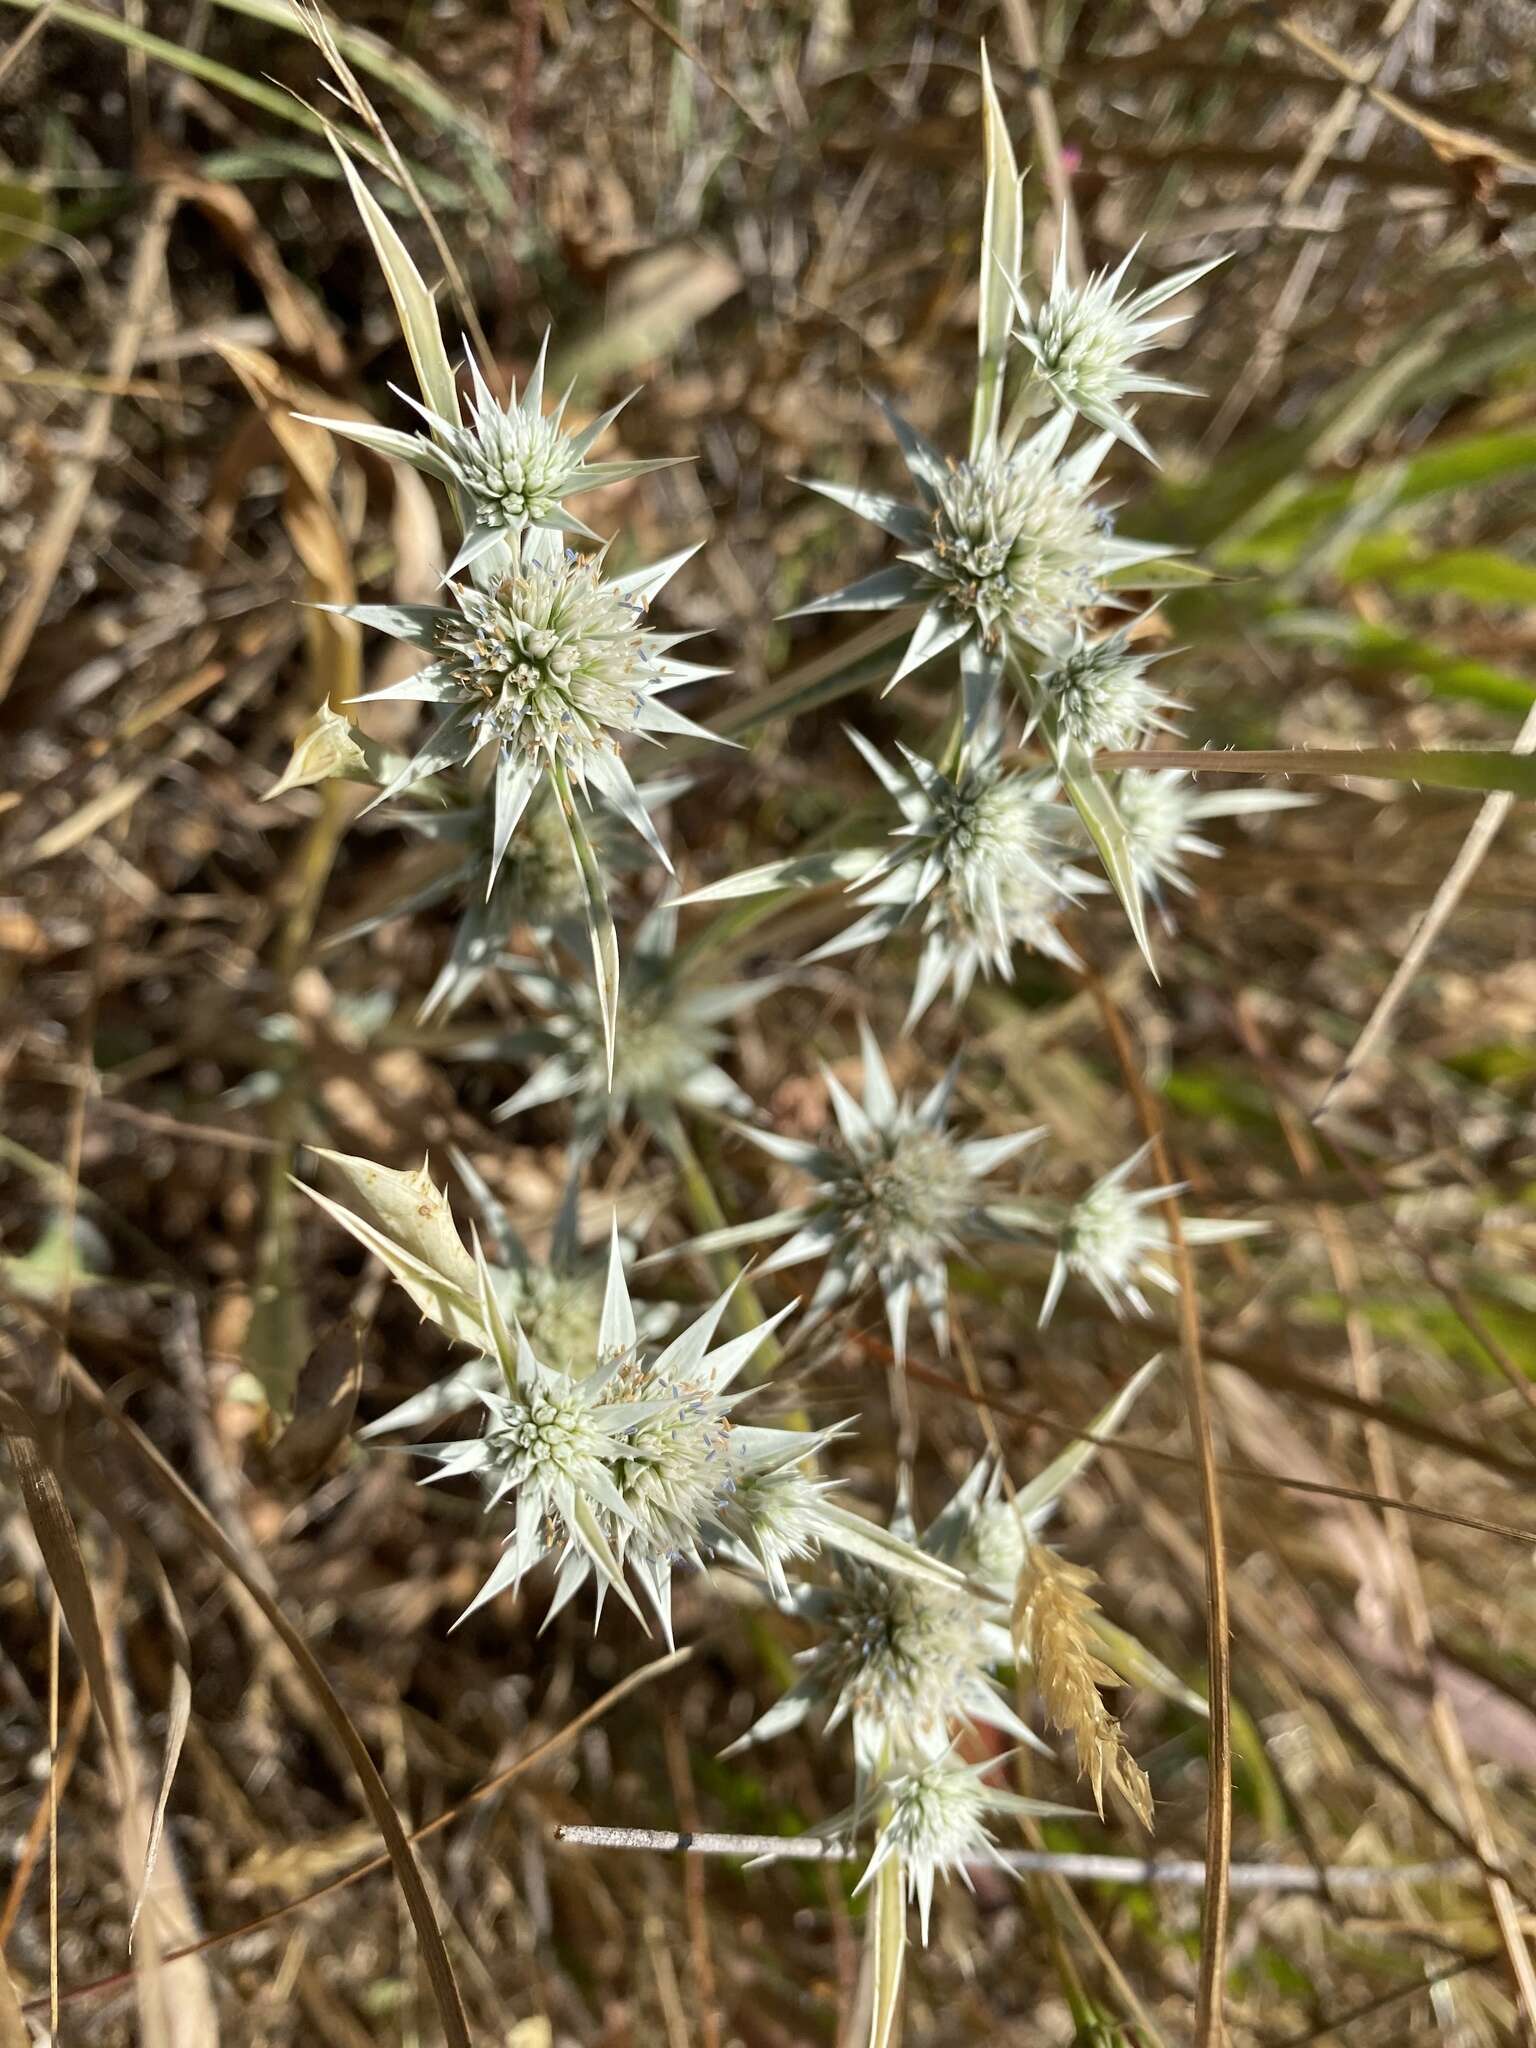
(1095,693)
(1160,809)
(976,868)
(1004,552)
(935,1824)
(1112,1238)
(1083,338)
(619,1469)
(904,1660)
(667,1044)
(511,467)
(550,666)
(889,1203)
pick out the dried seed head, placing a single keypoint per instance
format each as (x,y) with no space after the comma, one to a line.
(1053,1626)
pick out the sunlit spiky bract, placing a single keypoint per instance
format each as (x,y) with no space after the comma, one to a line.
(888,1203)
(667,1046)
(936,1824)
(512,467)
(551,667)
(623,1468)
(1082,340)
(1095,693)
(1112,1238)
(557,1303)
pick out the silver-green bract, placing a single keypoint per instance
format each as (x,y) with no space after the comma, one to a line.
(547,671)
(1095,692)
(551,668)
(888,1204)
(905,1661)
(619,1459)
(1082,339)
(977,867)
(666,1046)
(1004,551)
(1112,1238)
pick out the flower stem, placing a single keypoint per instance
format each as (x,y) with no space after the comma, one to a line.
(746,1311)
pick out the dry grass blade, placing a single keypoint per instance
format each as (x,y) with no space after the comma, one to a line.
(1209,2023)
(56,535)
(207,1531)
(59,1542)
(1053,1615)
(588,1718)
(13,2028)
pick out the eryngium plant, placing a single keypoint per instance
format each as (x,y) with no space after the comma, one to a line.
(1112,1238)
(979,866)
(666,1048)
(889,1203)
(541,665)
(509,466)
(618,1458)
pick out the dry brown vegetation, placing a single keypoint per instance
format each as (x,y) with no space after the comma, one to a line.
(764,212)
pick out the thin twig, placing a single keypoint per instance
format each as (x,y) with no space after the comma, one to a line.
(1079,1867)
(1494,810)
(1020,17)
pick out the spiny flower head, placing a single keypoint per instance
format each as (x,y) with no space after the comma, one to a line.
(977,866)
(1111,1238)
(904,1660)
(551,666)
(1083,338)
(888,1203)
(666,1045)
(620,1468)
(1015,541)
(935,1824)
(1159,810)
(1097,693)
(776,1515)
(1004,551)
(511,467)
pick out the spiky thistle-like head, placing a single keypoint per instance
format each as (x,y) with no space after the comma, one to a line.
(1083,339)
(935,1824)
(552,661)
(1097,693)
(1017,544)
(889,1200)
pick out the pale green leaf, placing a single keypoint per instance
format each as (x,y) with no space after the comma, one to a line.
(415,305)
(1001,253)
